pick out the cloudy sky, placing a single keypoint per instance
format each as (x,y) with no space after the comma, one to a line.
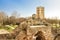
(28,7)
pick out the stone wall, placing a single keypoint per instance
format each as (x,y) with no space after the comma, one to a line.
(46,32)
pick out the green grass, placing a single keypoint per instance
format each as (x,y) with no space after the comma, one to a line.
(8,27)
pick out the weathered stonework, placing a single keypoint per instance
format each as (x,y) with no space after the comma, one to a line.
(31,30)
(46,32)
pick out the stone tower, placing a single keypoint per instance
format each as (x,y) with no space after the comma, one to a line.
(40,12)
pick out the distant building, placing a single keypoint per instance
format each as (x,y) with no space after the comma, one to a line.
(34,16)
(40,12)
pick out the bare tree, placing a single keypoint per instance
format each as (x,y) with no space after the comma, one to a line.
(12,20)
(3,17)
(16,14)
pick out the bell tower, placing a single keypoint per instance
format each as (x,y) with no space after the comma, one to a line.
(40,12)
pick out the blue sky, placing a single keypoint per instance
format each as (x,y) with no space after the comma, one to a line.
(28,7)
